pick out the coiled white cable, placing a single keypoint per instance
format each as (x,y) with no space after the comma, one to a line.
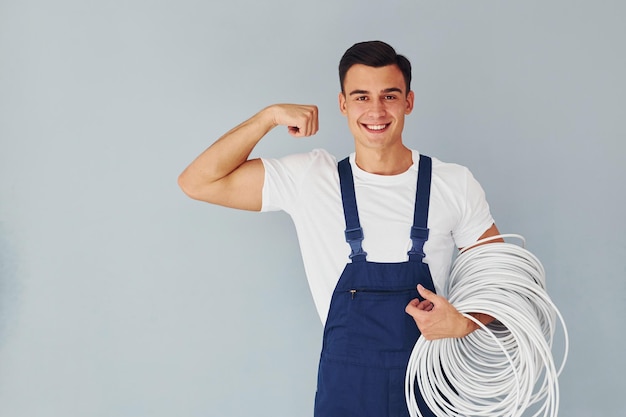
(507,367)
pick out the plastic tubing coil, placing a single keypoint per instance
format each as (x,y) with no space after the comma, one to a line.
(506,368)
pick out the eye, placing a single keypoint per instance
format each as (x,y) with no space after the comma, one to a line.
(390,97)
(361,98)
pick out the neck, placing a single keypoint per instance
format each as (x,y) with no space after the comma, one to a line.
(384,162)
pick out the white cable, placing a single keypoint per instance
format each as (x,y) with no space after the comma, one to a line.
(505,368)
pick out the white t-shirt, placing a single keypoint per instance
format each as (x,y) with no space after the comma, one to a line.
(307,187)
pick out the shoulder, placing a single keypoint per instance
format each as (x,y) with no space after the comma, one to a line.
(293,180)
(455,182)
(287,176)
(452,175)
(449,170)
(457,193)
(315,159)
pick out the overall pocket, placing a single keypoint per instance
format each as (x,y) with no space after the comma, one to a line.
(378,320)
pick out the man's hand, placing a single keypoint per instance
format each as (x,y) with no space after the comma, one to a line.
(437,318)
(301,119)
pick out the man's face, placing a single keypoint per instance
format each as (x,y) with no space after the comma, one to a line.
(375,102)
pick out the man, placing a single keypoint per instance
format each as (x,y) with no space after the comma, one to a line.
(365,266)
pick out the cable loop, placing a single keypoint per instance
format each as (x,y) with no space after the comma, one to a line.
(503,368)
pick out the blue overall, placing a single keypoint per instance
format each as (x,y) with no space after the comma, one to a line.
(368,336)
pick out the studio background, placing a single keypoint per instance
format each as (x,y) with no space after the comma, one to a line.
(119,296)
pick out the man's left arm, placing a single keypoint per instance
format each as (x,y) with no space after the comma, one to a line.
(437,318)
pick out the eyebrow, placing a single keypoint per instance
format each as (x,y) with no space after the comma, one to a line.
(386,90)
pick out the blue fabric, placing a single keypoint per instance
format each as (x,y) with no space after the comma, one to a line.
(354,232)
(368,337)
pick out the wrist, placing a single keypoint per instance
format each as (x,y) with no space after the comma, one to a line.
(470,326)
(268,117)
(481,317)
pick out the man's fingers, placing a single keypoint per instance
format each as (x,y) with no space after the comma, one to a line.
(419,305)
(429,297)
(411,307)
(315,122)
(425,292)
(413,303)
(301,132)
(301,120)
(297,132)
(312,123)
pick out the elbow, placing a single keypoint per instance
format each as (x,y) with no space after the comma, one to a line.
(187,186)
(197,189)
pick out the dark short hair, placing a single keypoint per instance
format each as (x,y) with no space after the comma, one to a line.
(374,54)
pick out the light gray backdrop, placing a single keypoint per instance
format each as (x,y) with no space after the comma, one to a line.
(121,297)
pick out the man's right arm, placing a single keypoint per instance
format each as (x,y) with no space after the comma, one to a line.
(224,175)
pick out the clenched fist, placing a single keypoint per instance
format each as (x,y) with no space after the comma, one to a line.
(300,119)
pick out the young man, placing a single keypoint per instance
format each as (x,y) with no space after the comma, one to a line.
(366,265)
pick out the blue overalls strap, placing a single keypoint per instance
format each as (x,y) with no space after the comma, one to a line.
(419,231)
(354,232)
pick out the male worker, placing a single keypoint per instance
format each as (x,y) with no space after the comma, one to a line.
(365,265)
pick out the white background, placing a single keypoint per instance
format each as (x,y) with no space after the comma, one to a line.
(121,297)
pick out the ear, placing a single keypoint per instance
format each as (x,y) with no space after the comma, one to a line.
(342,103)
(410,100)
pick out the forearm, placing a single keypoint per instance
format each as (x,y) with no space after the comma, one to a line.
(482,318)
(226,154)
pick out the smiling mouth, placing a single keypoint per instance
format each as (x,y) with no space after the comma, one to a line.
(376,128)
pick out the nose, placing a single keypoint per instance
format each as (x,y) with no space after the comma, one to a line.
(377,108)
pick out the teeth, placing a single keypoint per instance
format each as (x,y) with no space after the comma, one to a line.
(376,127)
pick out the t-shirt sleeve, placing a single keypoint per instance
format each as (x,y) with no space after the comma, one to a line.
(284,177)
(476,216)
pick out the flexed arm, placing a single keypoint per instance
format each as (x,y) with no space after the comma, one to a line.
(224,175)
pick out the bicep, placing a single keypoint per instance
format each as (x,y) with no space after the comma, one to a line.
(241,189)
